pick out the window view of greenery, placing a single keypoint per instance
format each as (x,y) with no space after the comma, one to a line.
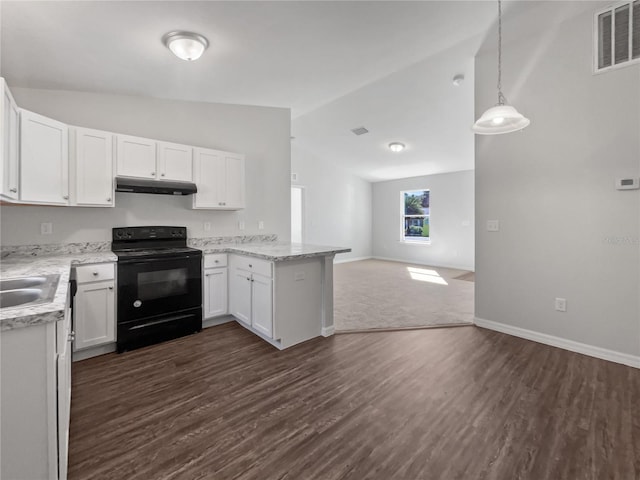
(416,216)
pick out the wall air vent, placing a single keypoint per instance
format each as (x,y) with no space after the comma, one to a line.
(360,131)
(617,36)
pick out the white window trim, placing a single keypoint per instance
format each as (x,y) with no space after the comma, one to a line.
(613,66)
(403,239)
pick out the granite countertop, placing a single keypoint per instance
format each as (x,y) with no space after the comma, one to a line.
(275,251)
(16,266)
(37,260)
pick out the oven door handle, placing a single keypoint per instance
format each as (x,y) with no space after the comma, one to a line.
(155,260)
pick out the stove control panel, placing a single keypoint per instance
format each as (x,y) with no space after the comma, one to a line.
(149,233)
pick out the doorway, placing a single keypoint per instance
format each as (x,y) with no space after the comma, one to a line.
(297,214)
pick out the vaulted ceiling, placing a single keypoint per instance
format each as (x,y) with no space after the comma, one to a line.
(386,65)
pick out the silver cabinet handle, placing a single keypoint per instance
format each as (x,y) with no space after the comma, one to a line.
(95,274)
(110,288)
(14,190)
(66,197)
(216,261)
(250,266)
(153,174)
(162,174)
(109,199)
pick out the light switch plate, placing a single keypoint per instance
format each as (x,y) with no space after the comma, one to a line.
(260,225)
(207,226)
(46,228)
(493,225)
(241,225)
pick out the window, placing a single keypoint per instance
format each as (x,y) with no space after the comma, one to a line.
(617,31)
(415,216)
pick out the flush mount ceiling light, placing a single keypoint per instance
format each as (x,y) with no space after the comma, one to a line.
(396,147)
(185,45)
(502,118)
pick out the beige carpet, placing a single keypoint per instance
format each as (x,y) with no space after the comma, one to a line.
(377,294)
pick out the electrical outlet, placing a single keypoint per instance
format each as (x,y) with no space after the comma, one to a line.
(241,225)
(561,304)
(46,228)
(493,225)
(207,226)
(260,225)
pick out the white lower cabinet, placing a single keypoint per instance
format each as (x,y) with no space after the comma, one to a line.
(95,321)
(251,293)
(35,394)
(262,304)
(215,285)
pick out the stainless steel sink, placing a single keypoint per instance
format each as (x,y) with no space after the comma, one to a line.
(28,291)
(26,282)
(13,298)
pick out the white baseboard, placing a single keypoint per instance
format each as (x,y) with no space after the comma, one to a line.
(590,350)
(347,260)
(430,264)
(327,331)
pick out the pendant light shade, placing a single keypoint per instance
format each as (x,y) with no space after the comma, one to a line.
(501,118)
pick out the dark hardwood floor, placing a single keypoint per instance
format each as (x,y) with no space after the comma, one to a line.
(461,403)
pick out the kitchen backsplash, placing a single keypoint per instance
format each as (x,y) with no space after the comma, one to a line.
(88,247)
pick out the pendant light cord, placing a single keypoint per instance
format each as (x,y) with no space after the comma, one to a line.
(501,99)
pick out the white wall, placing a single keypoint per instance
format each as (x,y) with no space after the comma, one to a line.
(451,220)
(337,204)
(261,133)
(564,229)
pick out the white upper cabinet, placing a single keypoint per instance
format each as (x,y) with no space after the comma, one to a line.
(220,179)
(136,157)
(145,158)
(44,160)
(9,141)
(92,168)
(175,162)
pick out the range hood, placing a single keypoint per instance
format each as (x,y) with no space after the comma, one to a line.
(158,187)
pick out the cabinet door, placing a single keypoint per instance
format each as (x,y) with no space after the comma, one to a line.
(175,162)
(94,315)
(240,295)
(94,168)
(234,181)
(44,160)
(262,304)
(209,176)
(64,395)
(136,157)
(9,144)
(215,292)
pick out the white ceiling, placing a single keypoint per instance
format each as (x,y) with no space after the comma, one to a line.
(336,64)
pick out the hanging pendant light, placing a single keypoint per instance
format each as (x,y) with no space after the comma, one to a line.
(502,118)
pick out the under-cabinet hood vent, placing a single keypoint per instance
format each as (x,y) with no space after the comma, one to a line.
(158,187)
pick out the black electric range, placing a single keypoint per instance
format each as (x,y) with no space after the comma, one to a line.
(159,285)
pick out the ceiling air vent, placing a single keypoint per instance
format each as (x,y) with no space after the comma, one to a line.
(360,131)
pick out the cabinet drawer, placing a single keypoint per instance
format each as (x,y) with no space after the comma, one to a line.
(95,273)
(254,265)
(215,260)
